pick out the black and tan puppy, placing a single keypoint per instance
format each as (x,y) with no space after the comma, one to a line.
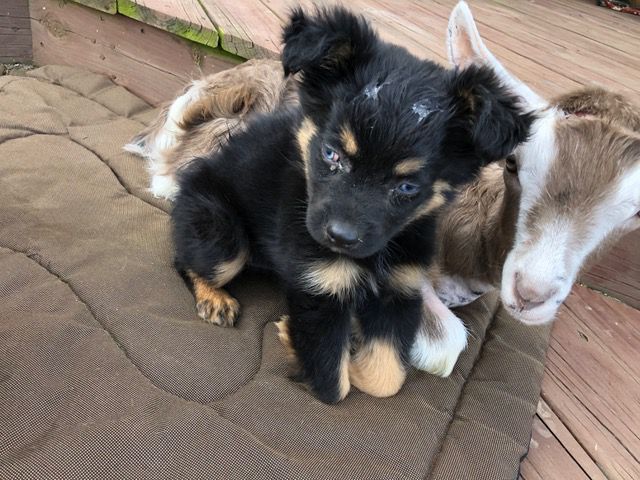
(338,196)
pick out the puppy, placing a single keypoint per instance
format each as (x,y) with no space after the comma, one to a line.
(338,196)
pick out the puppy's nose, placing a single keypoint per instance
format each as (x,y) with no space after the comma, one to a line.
(342,234)
(530,296)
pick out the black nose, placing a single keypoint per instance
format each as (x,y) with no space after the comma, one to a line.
(342,234)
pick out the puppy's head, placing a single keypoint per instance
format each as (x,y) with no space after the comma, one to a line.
(386,137)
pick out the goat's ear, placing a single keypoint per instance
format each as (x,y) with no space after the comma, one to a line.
(494,118)
(465,47)
(327,45)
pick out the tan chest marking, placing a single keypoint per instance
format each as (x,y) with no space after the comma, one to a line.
(338,277)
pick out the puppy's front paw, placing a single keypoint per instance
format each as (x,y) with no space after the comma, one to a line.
(376,369)
(437,352)
(218,307)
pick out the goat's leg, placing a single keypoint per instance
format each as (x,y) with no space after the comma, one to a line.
(454,291)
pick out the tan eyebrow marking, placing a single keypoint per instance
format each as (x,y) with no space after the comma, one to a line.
(304,136)
(436,201)
(409,166)
(348,140)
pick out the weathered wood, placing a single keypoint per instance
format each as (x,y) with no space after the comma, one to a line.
(186,19)
(592,380)
(560,53)
(618,272)
(107,6)
(247,29)
(569,443)
(15,32)
(151,63)
(547,458)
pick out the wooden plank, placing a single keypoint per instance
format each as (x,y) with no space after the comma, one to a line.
(17,22)
(14,8)
(582,21)
(247,29)
(185,18)
(547,458)
(618,272)
(107,6)
(569,443)
(15,32)
(150,62)
(543,80)
(592,380)
(14,39)
(580,58)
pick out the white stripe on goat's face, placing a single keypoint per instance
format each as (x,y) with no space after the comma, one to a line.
(580,181)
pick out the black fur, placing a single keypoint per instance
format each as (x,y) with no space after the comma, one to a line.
(255,194)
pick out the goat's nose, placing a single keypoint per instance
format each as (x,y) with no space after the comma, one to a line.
(529,296)
(342,234)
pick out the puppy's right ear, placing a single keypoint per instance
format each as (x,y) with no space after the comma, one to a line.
(325,47)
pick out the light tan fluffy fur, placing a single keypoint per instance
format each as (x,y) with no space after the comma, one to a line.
(218,107)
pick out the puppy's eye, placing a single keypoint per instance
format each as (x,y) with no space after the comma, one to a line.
(406,188)
(511,164)
(330,156)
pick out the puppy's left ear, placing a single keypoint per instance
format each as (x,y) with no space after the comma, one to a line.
(496,120)
(327,42)
(326,48)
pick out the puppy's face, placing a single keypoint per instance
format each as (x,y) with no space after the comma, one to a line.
(386,137)
(373,167)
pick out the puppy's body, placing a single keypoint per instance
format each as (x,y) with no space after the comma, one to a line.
(338,196)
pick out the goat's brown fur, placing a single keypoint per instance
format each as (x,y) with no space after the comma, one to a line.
(477,231)
(254,87)
(226,99)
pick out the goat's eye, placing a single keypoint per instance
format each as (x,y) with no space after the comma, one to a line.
(511,164)
(408,189)
(330,156)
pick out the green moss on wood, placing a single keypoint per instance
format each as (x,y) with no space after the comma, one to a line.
(241,48)
(195,33)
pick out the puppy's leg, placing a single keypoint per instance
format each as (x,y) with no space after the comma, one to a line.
(441,338)
(318,332)
(211,249)
(387,327)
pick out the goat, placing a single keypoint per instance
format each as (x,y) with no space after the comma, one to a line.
(530,225)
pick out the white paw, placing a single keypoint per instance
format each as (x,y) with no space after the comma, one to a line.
(164,186)
(455,292)
(438,355)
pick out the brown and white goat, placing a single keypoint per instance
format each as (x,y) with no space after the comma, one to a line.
(530,225)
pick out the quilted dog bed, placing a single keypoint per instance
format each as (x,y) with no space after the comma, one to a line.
(106,371)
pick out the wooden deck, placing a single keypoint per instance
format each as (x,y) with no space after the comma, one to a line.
(588,420)
(15,31)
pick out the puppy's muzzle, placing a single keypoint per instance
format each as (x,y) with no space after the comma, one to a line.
(342,234)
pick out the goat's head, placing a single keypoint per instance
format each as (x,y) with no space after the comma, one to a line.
(578,177)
